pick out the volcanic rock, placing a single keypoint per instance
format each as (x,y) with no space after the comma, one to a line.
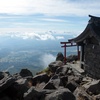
(25,73)
(54,65)
(60,57)
(40,78)
(60,94)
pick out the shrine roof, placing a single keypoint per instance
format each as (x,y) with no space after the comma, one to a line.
(92,29)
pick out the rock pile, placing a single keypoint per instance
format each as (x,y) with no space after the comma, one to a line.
(62,83)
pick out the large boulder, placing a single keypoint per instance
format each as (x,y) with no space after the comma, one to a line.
(72,86)
(73,82)
(40,86)
(64,69)
(4,97)
(72,58)
(54,65)
(60,57)
(40,78)
(77,79)
(25,73)
(54,83)
(13,88)
(97,97)
(94,87)
(64,80)
(49,85)
(32,94)
(1,75)
(5,81)
(17,89)
(81,94)
(60,94)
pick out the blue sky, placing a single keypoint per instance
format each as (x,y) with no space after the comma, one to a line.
(46,15)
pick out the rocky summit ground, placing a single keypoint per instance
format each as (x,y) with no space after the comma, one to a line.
(56,82)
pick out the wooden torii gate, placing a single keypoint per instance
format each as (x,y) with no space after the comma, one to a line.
(69,44)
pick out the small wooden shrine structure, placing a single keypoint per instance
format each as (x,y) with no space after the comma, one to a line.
(89,41)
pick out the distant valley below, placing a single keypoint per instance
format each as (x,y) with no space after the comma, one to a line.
(35,54)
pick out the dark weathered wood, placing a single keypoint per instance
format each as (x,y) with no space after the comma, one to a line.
(82,55)
(78,52)
(64,42)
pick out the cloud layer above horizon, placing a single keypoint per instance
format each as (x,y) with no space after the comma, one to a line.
(34,36)
(45,15)
(50,7)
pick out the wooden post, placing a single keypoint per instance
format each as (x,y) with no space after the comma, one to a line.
(82,55)
(65,59)
(78,52)
(64,46)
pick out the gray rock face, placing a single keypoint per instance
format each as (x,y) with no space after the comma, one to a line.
(54,65)
(17,89)
(65,70)
(1,75)
(72,58)
(60,94)
(49,85)
(25,73)
(72,86)
(62,70)
(32,94)
(4,97)
(94,88)
(60,57)
(81,94)
(5,81)
(40,78)
(97,97)
(54,83)
(76,79)
(13,87)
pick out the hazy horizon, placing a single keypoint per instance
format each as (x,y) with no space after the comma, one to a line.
(34,53)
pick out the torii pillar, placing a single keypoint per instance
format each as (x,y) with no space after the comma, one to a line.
(64,46)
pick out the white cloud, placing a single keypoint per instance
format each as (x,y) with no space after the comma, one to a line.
(46,37)
(47,59)
(37,36)
(53,20)
(34,35)
(46,15)
(59,37)
(50,7)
